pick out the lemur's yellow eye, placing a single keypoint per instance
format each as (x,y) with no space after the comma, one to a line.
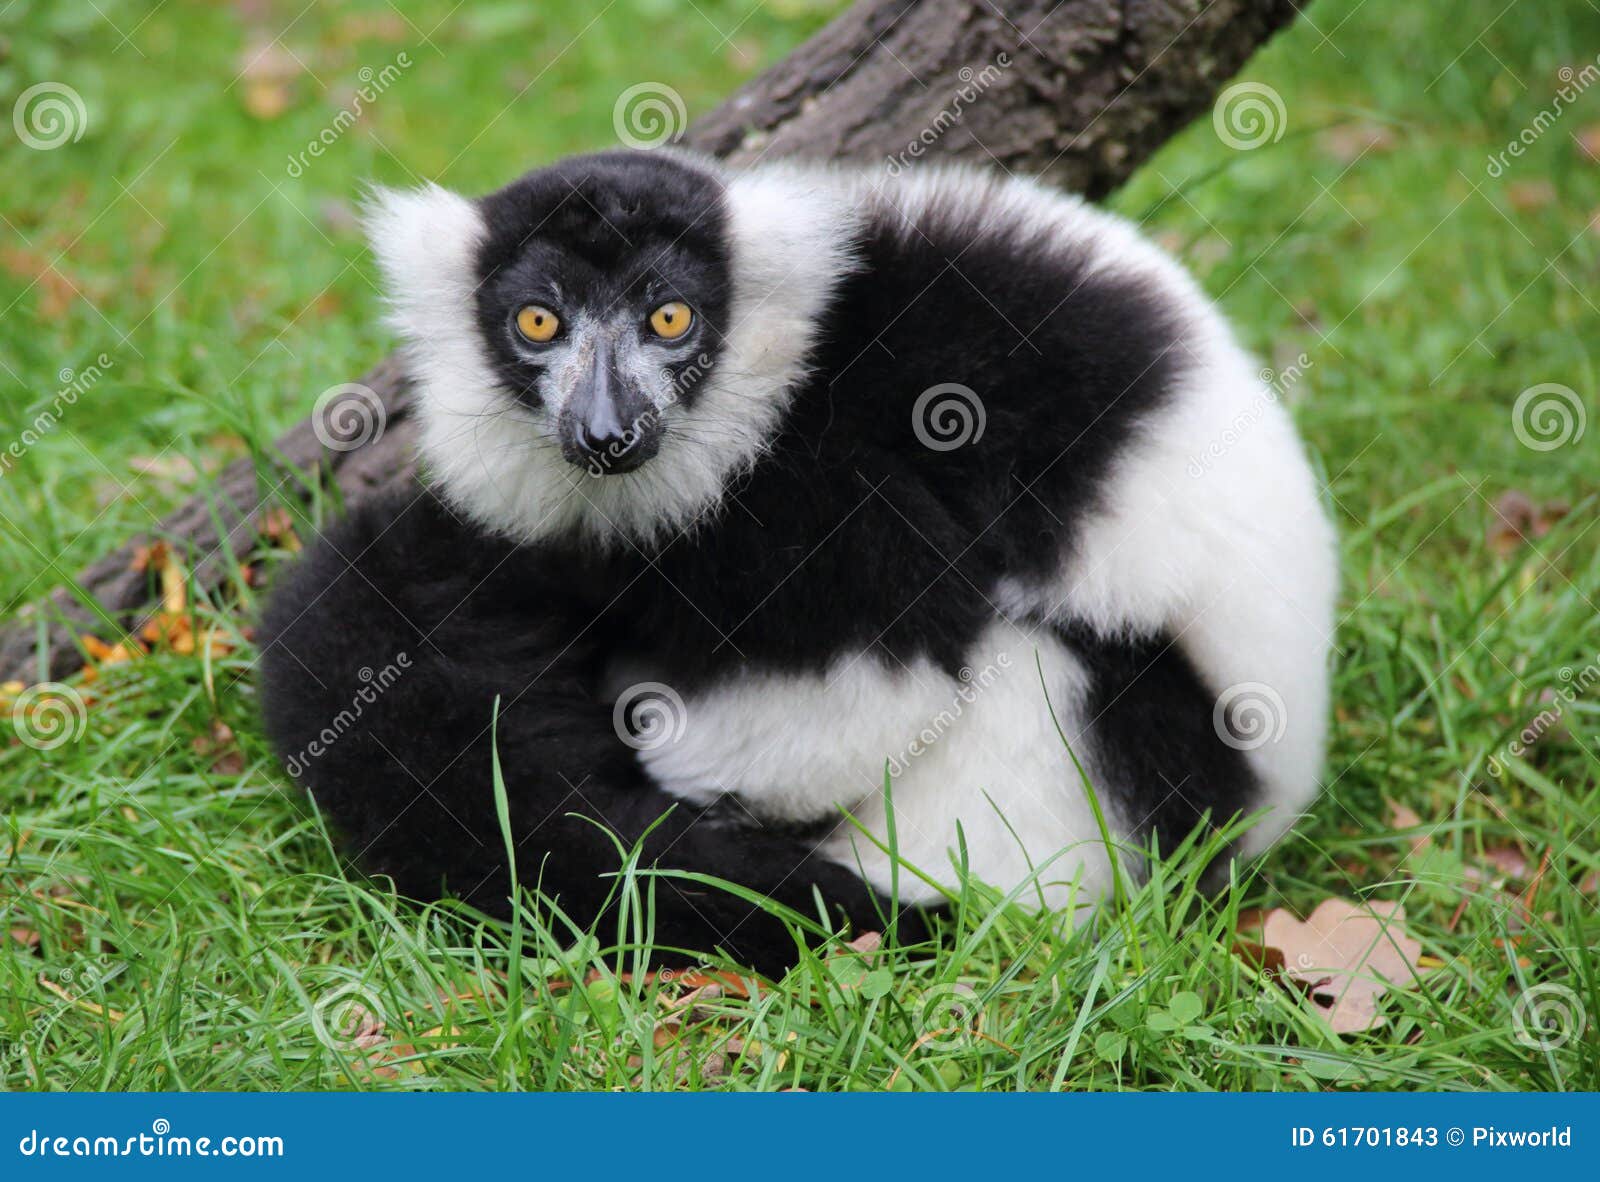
(537,324)
(671,320)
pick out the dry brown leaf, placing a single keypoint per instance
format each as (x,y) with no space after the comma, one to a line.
(102,654)
(176,469)
(1518,518)
(277,525)
(266,74)
(173,627)
(1509,860)
(1512,521)
(218,745)
(56,291)
(1346,955)
(1527,196)
(867,945)
(1350,141)
(1404,817)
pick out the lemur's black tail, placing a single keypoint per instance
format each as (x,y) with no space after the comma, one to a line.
(383,651)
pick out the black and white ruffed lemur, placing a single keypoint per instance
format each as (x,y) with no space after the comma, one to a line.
(745,490)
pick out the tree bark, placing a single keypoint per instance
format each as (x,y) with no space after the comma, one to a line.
(1078,92)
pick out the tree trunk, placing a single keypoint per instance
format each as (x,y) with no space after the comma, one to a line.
(1079,92)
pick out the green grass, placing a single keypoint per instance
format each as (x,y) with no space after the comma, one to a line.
(193,926)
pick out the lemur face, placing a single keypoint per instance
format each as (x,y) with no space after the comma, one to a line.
(642,316)
(602,299)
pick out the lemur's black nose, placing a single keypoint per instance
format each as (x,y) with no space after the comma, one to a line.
(606,447)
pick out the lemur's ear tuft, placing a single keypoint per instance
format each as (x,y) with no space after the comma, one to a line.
(425,241)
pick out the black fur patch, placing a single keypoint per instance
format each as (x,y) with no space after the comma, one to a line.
(1150,717)
(473,621)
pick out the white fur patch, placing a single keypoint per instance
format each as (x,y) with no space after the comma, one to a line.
(979,752)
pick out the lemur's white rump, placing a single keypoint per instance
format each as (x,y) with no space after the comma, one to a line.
(1236,560)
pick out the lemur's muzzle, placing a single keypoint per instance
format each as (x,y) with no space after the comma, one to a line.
(609,426)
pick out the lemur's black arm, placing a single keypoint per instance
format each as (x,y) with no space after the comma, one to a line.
(384,649)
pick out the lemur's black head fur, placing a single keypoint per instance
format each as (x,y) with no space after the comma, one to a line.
(603,295)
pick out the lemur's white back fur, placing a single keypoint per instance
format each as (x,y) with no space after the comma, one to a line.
(1237,562)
